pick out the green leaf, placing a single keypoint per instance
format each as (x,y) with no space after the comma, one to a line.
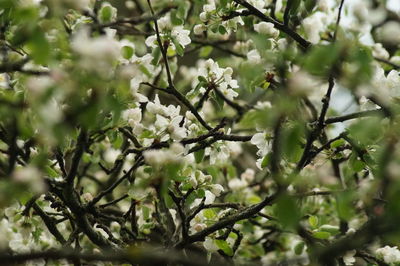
(266,160)
(224,246)
(179,49)
(254,199)
(356,164)
(310,4)
(156,53)
(172,171)
(298,249)
(175,20)
(205,51)
(51,172)
(145,71)
(127,52)
(344,205)
(313,221)
(219,101)
(201,193)
(39,47)
(330,229)
(321,235)
(223,3)
(287,212)
(291,142)
(214,28)
(169,202)
(337,143)
(145,212)
(106,13)
(209,213)
(321,59)
(295,6)
(202,79)
(199,155)
(221,29)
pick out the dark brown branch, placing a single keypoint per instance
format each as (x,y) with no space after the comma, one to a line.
(50,223)
(337,119)
(338,20)
(230,220)
(396,66)
(96,199)
(286,15)
(137,256)
(79,149)
(294,35)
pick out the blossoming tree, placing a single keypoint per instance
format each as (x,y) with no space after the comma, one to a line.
(199,132)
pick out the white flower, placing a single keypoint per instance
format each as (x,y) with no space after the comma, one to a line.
(4,81)
(259,4)
(313,26)
(177,148)
(151,41)
(253,56)
(155,107)
(348,258)
(161,122)
(301,82)
(193,181)
(199,227)
(379,51)
(235,148)
(390,33)
(237,184)
(229,93)
(110,155)
(176,131)
(164,23)
(209,244)
(389,85)
(220,153)
(87,197)
(393,82)
(221,76)
(323,5)
(248,175)
(282,44)
(266,28)
(199,29)
(360,10)
(210,70)
(133,116)
(216,189)
(30,176)
(263,105)
(210,197)
(135,83)
(203,16)
(166,29)
(162,157)
(389,254)
(263,145)
(96,53)
(207,9)
(181,35)
(201,178)
(395,59)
